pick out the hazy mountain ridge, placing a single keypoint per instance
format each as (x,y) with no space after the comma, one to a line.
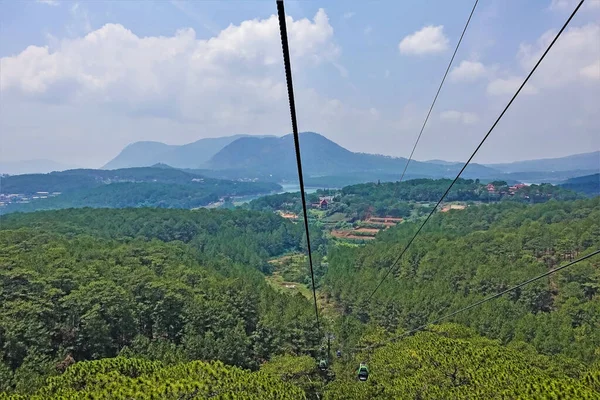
(323,157)
(325,163)
(191,155)
(589,184)
(583,161)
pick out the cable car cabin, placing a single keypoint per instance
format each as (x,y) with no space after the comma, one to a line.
(363,372)
(338,353)
(323,364)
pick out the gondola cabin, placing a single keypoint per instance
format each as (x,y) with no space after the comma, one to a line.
(323,364)
(363,372)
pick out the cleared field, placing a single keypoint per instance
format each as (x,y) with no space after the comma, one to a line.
(280,284)
(351,235)
(385,220)
(374,231)
(449,207)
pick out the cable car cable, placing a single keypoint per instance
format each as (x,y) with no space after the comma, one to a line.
(394,264)
(438,91)
(290,89)
(480,302)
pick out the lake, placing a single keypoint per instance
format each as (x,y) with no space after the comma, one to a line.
(285,188)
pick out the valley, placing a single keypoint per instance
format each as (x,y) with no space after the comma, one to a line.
(169,282)
(168,232)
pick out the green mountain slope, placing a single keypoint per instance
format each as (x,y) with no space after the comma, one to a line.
(463,256)
(77,179)
(123,378)
(589,184)
(131,187)
(171,285)
(145,194)
(452,362)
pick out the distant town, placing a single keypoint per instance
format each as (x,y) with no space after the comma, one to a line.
(21,198)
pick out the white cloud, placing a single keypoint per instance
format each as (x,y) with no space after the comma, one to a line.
(468,71)
(231,82)
(577,49)
(428,40)
(113,64)
(48,2)
(348,15)
(561,5)
(368,29)
(509,85)
(591,71)
(467,118)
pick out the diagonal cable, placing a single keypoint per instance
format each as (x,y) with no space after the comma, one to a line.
(290,89)
(394,264)
(480,302)
(438,91)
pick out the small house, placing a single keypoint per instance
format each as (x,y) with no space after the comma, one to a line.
(323,204)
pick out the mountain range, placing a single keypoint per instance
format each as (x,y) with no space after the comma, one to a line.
(275,156)
(582,162)
(191,155)
(325,163)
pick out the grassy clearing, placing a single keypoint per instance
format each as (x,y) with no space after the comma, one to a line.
(289,277)
(277,282)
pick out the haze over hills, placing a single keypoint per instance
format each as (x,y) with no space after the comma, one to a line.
(588,184)
(325,163)
(32,166)
(323,157)
(191,155)
(584,161)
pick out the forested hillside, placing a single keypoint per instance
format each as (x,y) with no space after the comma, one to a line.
(124,378)
(159,298)
(453,362)
(77,179)
(131,187)
(396,199)
(166,284)
(145,194)
(589,184)
(463,256)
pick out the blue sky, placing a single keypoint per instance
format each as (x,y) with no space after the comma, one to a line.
(80,80)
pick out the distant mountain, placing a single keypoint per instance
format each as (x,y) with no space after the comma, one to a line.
(441,162)
(191,155)
(589,184)
(553,177)
(32,167)
(275,157)
(139,154)
(585,161)
(325,163)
